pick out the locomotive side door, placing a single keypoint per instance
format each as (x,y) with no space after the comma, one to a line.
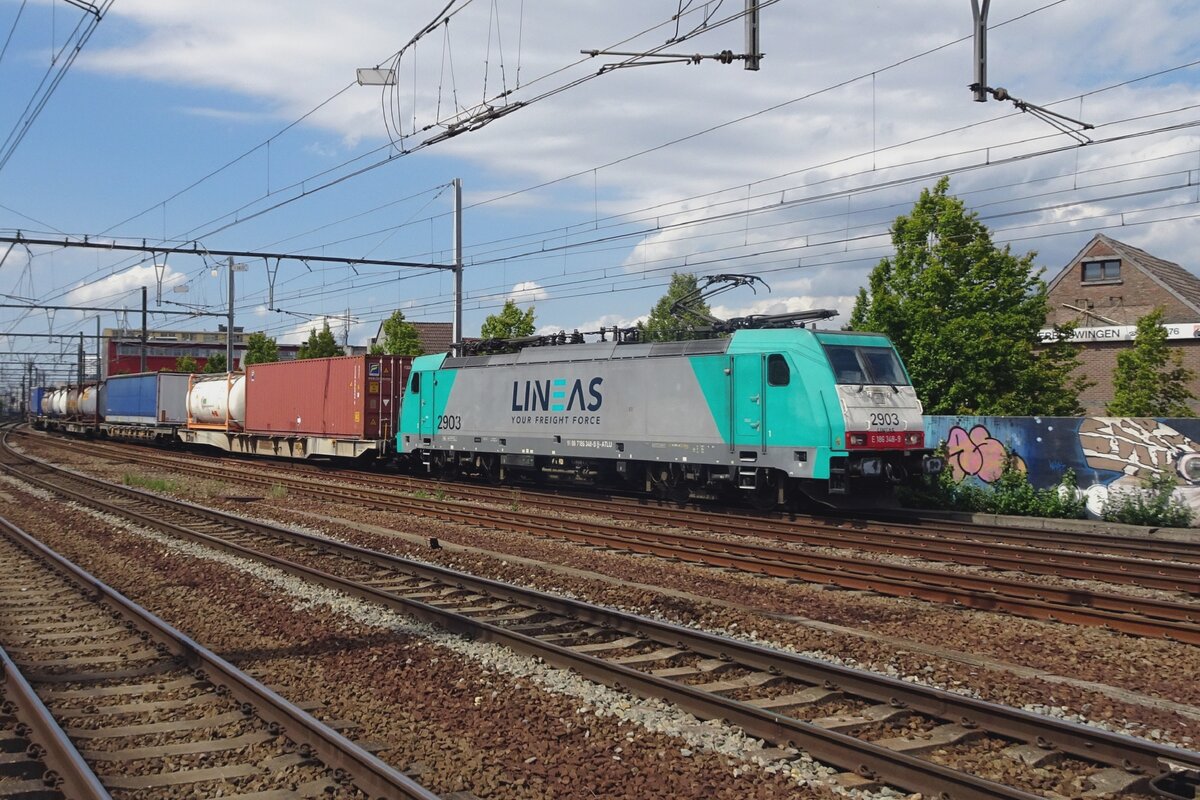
(747,396)
(426,425)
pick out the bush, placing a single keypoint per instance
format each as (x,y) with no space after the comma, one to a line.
(1151,504)
(1011,494)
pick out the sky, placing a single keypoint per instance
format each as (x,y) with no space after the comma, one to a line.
(586,180)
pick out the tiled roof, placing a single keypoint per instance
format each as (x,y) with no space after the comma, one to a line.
(1175,279)
(436,337)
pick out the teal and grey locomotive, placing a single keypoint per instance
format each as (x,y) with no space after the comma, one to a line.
(771,414)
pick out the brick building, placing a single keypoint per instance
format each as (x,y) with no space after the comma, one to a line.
(1105,290)
(123,348)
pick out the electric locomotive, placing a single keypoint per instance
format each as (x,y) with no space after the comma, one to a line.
(773,414)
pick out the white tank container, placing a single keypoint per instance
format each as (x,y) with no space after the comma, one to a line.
(218,401)
(72,402)
(89,401)
(47,407)
(60,403)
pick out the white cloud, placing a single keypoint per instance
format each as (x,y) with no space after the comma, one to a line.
(122,283)
(527,292)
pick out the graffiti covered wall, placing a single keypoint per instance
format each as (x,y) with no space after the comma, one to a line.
(1106,453)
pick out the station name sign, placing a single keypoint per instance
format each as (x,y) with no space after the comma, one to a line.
(1123,333)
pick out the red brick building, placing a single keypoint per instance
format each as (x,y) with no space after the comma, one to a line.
(1105,290)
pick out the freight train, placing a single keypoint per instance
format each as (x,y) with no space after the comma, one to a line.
(770,415)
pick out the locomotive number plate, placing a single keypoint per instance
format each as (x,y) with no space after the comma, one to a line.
(885,439)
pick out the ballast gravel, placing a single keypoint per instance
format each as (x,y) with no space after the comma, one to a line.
(645,749)
(766,610)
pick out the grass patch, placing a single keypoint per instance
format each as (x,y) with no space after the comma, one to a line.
(151,484)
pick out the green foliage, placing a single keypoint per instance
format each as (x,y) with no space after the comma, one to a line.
(215,364)
(153,484)
(260,349)
(1150,379)
(186,364)
(662,325)
(509,323)
(400,338)
(1011,494)
(1152,504)
(320,345)
(965,317)
(278,491)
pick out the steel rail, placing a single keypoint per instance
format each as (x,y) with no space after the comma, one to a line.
(1125,613)
(334,750)
(1150,570)
(1089,743)
(66,768)
(1162,575)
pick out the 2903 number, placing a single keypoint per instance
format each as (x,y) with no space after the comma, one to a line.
(449,422)
(885,418)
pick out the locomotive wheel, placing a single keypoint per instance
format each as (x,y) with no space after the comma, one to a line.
(670,483)
(765,496)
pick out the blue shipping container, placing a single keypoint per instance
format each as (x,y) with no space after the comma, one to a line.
(147,398)
(35,401)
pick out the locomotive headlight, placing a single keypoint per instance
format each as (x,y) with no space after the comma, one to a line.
(1188,467)
(857,439)
(914,438)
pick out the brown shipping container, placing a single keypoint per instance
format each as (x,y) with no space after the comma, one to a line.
(349,397)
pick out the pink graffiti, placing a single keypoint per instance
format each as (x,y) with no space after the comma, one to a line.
(977,453)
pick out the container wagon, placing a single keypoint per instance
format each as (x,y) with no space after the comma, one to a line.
(146,405)
(343,407)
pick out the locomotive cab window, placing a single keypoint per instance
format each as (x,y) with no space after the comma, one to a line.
(778,371)
(865,365)
(414,385)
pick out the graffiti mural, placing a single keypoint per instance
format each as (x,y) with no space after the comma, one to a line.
(1107,454)
(977,454)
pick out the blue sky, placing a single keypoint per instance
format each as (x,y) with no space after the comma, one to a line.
(583,200)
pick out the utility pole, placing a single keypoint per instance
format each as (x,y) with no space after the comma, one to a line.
(81,361)
(752,54)
(145,334)
(458,263)
(980,14)
(99,358)
(233,267)
(229,323)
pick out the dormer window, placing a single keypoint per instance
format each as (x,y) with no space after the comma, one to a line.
(1102,271)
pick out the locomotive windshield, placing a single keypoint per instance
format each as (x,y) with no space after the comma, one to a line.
(861,365)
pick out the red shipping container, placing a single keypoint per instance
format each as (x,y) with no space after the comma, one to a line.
(348,397)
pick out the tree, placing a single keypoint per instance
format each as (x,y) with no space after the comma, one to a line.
(260,349)
(215,364)
(965,315)
(320,345)
(1150,379)
(664,326)
(400,338)
(186,364)
(510,323)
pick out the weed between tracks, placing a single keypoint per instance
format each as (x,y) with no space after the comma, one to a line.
(153,484)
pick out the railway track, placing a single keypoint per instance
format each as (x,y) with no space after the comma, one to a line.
(109,701)
(1142,562)
(877,729)
(1141,616)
